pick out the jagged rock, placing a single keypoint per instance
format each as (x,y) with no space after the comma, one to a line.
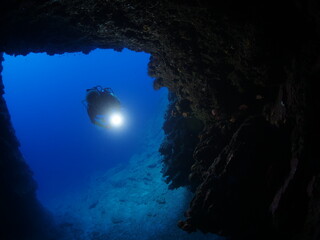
(238,186)
(178,146)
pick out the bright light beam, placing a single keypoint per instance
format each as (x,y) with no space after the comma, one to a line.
(116,120)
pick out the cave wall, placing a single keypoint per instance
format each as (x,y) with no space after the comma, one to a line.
(245,70)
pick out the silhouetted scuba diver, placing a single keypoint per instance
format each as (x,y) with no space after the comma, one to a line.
(101,103)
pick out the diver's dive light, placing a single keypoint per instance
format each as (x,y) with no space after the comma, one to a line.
(116,119)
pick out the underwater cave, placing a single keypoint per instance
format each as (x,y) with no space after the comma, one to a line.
(46,98)
(237,150)
(96,182)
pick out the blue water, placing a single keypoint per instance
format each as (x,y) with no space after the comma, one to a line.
(98,183)
(44,95)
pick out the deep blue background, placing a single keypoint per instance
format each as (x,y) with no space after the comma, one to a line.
(44,95)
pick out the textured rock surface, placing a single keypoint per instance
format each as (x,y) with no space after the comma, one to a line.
(178,146)
(246,69)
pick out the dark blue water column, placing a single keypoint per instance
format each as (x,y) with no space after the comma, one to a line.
(44,95)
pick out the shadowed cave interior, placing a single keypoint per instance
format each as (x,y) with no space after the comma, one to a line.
(241,127)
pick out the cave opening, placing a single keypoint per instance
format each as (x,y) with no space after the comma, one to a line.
(45,93)
(97,183)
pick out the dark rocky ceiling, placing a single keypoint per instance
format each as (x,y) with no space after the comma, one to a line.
(241,128)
